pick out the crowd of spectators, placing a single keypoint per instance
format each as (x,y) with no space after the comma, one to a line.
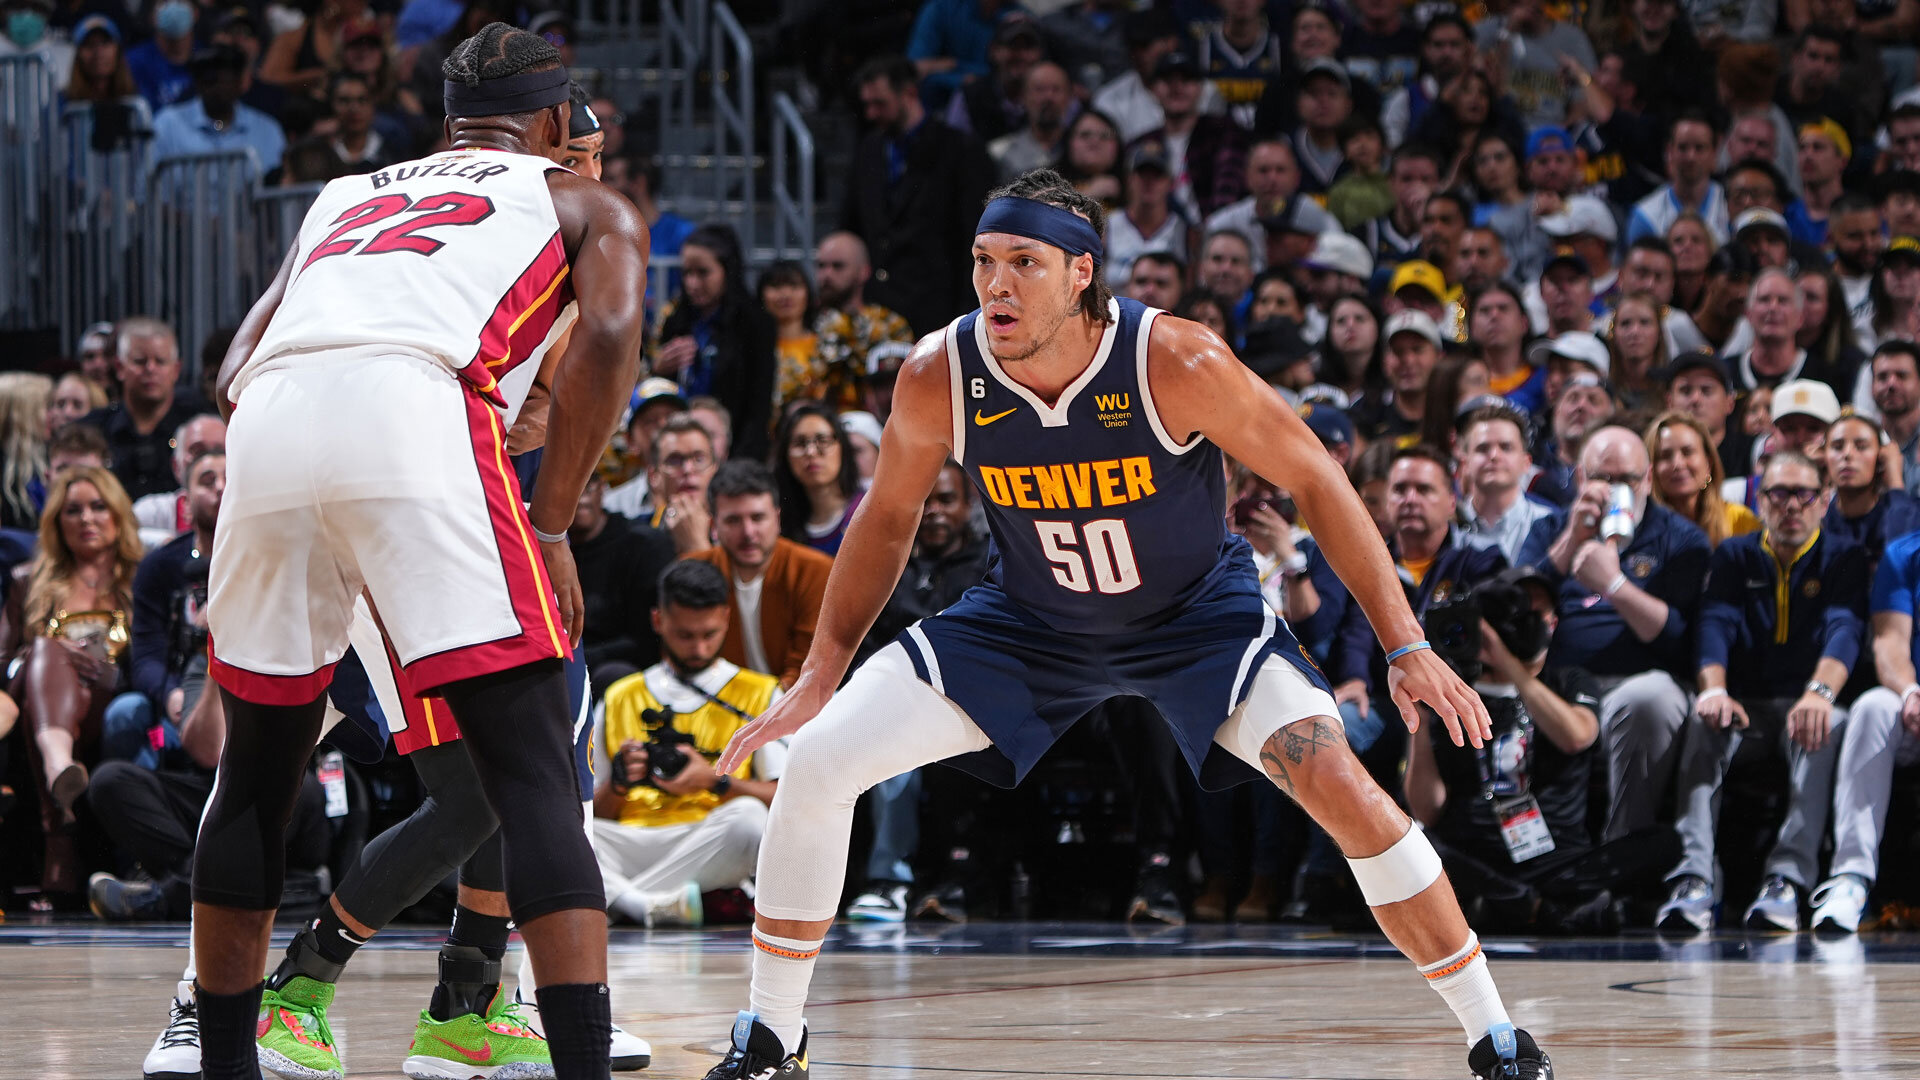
(1609,312)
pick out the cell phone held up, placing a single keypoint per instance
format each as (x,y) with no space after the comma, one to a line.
(1245,507)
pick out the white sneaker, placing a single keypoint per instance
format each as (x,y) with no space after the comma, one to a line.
(1777,908)
(627,1053)
(884,901)
(680,907)
(1839,902)
(176,1053)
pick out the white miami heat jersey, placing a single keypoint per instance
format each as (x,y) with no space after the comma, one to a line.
(456,256)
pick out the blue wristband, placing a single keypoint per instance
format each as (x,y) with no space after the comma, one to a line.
(1405,649)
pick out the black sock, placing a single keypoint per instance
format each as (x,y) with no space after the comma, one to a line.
(227,1027)
(488,933)
(578,1018)
(468,982)
(306,957)
(332,939)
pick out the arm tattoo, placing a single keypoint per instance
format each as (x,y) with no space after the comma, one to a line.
(1288,747)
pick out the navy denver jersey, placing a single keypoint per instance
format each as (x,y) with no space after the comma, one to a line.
(1103,522)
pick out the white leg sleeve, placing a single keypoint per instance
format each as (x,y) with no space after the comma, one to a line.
(882,723)
(1281,695)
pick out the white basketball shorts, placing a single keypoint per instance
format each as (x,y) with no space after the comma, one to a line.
(382,473)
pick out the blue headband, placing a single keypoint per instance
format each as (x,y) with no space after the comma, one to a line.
(1035,220)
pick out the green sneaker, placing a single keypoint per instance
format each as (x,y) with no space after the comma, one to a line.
(294,1039)
(498,1046)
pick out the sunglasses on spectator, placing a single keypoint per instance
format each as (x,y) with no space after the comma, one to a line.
(816,444)
(1780,495)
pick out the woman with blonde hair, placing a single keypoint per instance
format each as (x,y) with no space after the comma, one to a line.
(23,445)
(74,396)
(66,627)
(1687,477)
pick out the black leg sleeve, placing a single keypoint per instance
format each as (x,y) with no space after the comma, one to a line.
(240,860)
(404,863)
(519,730)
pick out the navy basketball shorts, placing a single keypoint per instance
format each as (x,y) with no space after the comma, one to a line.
(1024,683)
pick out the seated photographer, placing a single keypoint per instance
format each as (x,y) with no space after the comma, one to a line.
(1510,819)
(1883,730)
(667,827)
(1781,623)
(1628,586)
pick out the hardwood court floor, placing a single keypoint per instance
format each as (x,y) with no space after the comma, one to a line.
(84,1003)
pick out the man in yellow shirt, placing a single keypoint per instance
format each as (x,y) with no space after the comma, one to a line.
(667,827)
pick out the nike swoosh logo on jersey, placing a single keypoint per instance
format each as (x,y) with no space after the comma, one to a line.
(476,1056)
(983,421)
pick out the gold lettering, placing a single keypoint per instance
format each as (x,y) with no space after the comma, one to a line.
(1052,487)
(995,481)
(1021,481)
(1139,472)
(1110,493)
(1080,479)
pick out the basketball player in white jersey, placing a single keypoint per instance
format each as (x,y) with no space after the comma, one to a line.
(372,387)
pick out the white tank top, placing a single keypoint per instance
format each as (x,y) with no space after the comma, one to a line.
(456,257)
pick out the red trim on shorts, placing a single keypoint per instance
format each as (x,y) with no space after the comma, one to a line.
(522,319)
(429,721)
(268,689)
(542,635)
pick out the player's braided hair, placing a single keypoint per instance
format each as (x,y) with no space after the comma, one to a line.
(1047,186)
(496,52)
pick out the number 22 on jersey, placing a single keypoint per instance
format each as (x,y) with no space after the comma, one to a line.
(1109,549)
(447,208)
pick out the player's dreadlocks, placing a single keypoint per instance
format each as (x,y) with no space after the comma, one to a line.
(496,52)
(1047,186)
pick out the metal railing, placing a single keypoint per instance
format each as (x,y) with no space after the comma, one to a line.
(202,271)
(731,79)
(793,197)
(28,165)
(96,268)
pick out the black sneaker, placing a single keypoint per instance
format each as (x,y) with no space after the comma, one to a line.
(115,900)
(756,1054)
(1153,896)
(948,903)
(1508,1053)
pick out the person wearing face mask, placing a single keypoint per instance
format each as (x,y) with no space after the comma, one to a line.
(1782,622)
(26,34)
(160,65)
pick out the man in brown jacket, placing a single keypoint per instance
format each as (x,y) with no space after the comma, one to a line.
(777,584)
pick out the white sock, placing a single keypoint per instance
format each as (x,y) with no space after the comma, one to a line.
(1467,986)
(782,968)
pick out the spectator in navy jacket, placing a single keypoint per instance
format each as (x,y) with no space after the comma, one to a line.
(168,645)
(1781,627)
(1627,610)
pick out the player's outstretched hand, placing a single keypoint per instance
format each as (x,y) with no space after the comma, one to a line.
(1423,678)
(566,587)
(788,715)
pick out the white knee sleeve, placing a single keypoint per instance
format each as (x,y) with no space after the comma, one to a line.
(1280,695)
(884,722)
(1401,872)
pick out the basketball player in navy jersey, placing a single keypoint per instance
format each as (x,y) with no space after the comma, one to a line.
(1094,429)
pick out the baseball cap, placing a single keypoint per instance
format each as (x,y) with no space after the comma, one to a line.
(1016,26)
(1805,397)
(1177,64)
(1326,65)
(1582,215)
(1341,252)
(1566,254)
(1579,346)
(558,22)
(655,389)
(1546,138)
(96,22)
(1418,273)
(886,358)
(863,424)
(362,30)
(1905,247)
(217,58)
(1414,321)
(1149,154)
(1759,217)
(1698,360)
(1330,424)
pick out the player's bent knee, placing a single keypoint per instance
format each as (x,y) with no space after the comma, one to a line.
(1401,872)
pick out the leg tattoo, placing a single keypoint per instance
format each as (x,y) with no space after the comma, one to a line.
(1289,747)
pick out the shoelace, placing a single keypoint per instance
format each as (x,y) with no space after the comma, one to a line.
(183,1029)
(511,1015)
(320,1029)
